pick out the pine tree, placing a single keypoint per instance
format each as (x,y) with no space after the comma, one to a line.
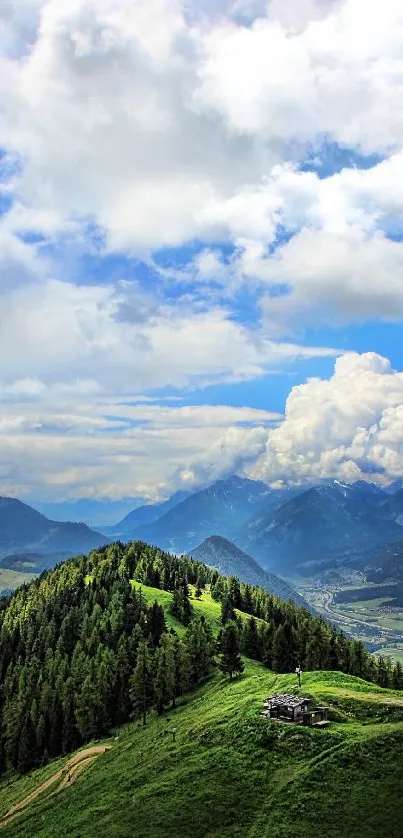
(176,604)
(88,705)
(250,640)
(27,746)
(397,676)
(230,661)
(182,668)
(199,646)
(142,690)
(357,659)
(283,657)
(383,673)
(164,682)
(234,592)
(227,611)
(186,608)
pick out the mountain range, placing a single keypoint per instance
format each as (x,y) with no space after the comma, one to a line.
(324,522)
(99,513)
(293,532)
(222,508)
(144,515)
(23,530)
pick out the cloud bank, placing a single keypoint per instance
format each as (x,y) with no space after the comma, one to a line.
(187,191)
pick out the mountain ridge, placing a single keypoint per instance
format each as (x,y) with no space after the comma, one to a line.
(220,553)
(24,529)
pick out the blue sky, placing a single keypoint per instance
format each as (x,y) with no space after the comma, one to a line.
(201,245)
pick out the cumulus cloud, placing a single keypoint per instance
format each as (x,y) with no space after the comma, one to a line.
(131,114)
(116,450)
(131,128)
(344,427)
(53,330)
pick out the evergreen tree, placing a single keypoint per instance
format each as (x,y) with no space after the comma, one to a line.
(283,655)
(199,644)
(234,592)
(230,661)
(185,606)
(227,611)
(142,690)
(88,705)
(164,683)
(182,668)
(383,672)
(250,640)
(397,676)
(27,746)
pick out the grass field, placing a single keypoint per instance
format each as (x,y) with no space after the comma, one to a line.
(205,606)
(230,772)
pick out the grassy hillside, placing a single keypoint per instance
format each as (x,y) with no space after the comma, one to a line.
(229,772)
(205,606)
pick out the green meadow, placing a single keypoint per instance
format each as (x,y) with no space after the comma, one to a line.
(213,767)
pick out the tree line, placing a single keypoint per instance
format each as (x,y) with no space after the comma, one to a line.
(81,650)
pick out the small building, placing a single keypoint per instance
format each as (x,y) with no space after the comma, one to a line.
(286,707)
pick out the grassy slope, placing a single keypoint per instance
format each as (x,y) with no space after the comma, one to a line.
(232,773)
(205,605)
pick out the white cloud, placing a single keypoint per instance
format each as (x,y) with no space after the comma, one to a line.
(146,125)
(344,427)
(54,330)
(113,450)
(129,114)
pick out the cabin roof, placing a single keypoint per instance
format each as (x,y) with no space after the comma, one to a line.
(286,699)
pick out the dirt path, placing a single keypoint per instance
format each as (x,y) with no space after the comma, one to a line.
(81,760)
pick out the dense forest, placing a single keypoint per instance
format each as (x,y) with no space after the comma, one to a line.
(81,651)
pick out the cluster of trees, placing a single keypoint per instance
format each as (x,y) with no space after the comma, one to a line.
(81,651)
(282,636)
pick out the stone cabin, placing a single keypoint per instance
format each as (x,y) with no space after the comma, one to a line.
(292,708)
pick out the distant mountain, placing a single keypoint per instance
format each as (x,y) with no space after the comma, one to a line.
(229,560)
(146,514)
(96,513)
(385,564)
(221,508)
(392,507)
(24,530)
(318,524)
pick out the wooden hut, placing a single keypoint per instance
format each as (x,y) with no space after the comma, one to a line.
(293,708)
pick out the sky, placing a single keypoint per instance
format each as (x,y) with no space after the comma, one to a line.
(201,244)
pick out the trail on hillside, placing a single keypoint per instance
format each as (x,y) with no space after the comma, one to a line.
(74,766)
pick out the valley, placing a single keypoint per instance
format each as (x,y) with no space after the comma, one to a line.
(370,615)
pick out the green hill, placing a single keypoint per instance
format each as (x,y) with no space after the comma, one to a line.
(229,772)
(207,763)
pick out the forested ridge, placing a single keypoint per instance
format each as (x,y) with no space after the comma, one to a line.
(82,652)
